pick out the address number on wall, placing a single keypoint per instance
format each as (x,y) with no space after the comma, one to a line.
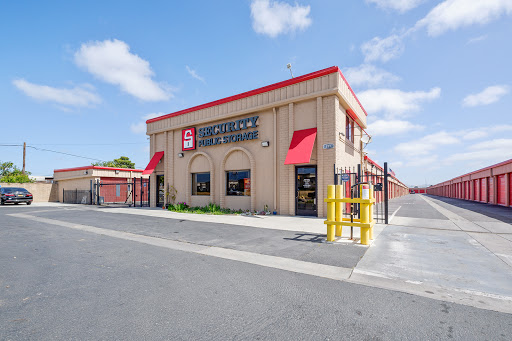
(328,146)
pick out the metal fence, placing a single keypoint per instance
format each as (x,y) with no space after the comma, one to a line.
(135,193)
(351,177)
(77,196)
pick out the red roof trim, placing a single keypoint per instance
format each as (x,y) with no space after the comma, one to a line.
(96,167)
(484,169)
(258,91)
(382,169)
(447,182)
(373,162)
(352,91)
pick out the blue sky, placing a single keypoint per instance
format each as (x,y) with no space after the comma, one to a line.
(82,77)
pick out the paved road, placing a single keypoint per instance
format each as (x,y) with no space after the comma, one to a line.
(84,274)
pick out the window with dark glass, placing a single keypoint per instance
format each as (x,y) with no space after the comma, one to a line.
(200,183)
(238,182)
(349,129)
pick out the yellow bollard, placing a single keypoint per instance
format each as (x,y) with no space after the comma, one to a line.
(339,210)
(365,215)
(371,211)
(331,212)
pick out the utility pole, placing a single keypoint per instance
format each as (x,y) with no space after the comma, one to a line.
(24,155)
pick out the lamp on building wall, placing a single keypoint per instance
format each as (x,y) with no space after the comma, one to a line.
(117,171)
(180,155)
(265,143)
(366,139)
(86,172)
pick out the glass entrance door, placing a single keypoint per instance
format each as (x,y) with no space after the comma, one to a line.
(305,203)
(160,196)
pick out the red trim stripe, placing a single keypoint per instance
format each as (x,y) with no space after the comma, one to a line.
(96,167)
(258,91)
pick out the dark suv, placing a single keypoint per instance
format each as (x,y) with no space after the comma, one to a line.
(15,195)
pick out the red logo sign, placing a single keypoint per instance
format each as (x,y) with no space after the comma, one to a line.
(188,139)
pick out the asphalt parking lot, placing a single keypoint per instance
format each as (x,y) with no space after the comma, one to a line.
(74,272)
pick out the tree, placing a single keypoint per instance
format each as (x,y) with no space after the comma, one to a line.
(122,162)
(9,173)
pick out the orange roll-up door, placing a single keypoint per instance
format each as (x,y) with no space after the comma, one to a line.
(476,186)
(502,189)
(483,190)
(490,191)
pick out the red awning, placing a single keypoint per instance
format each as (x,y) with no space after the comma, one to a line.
(152,164)
(301,146)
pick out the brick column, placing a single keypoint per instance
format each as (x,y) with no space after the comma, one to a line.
(320,184)
(291,168)
(284,144)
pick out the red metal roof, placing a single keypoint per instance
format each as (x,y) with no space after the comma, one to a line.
(267,88)
(301,147)
(95,167)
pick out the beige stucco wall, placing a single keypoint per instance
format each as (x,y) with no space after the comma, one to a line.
(318,103)
(71,184)
(42,192)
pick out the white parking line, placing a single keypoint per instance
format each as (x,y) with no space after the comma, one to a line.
(393,215)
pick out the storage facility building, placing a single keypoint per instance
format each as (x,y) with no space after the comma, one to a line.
(274,147)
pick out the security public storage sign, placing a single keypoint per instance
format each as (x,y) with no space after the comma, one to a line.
(188,139)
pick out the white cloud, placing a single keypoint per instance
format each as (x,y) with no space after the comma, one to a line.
(454,14)
(500,128)
(493,144)
(401,6)
(392,127)
(80,96)
(448,15)
(425,145)
(394,102)
(474,134)
(477,39)
(383,49)
(111,61)
(489,95)
(495,150)
(140,127)
(194,74)
(274,17)
(369,75)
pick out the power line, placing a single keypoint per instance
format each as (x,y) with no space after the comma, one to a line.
(54,151)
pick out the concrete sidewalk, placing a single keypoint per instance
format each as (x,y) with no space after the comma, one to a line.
(275,222)
(450,258)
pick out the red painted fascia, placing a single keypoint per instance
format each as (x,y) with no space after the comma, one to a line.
(96,167)
(258,91)
(374,163)
(448,182)
(382,169)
